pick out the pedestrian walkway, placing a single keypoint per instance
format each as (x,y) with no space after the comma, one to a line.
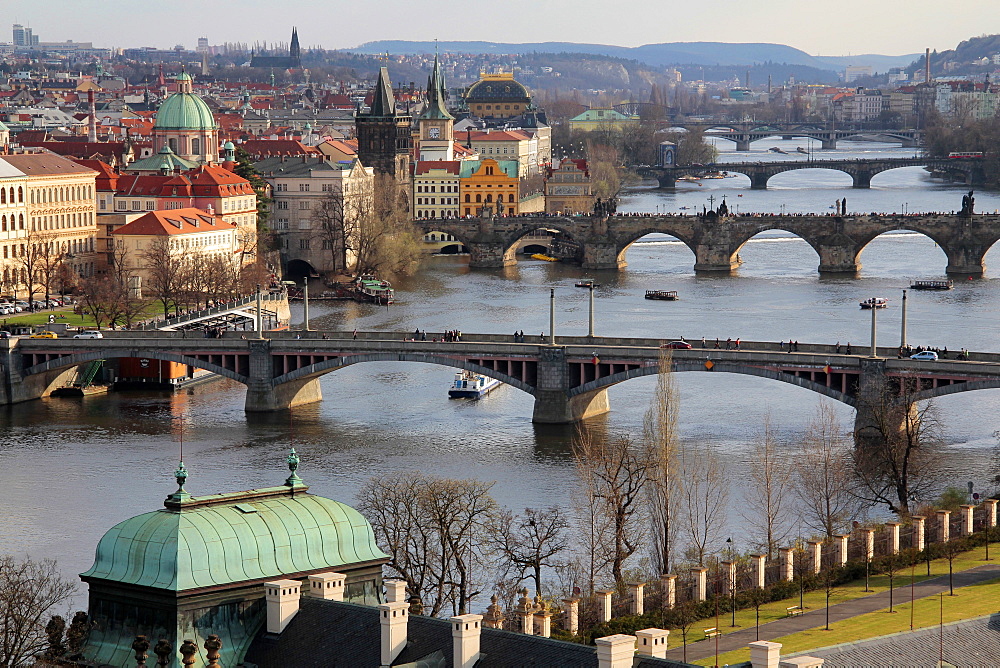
(839,612)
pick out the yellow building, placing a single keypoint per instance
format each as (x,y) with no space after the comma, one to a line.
(497,96)
(489,184)
(436,189)
(52,223)
(568,189)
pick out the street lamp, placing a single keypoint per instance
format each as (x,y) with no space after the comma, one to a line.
(874,309)
(590,331)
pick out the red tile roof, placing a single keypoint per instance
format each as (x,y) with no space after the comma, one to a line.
(451,166)
(175,221)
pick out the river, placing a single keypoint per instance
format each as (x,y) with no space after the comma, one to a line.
(70,469)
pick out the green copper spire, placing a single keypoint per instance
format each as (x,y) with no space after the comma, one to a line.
(180,475)
(293,465)
(436,107)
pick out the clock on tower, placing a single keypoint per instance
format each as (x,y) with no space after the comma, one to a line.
(434,133)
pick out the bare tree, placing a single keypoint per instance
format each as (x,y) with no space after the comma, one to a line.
(530,542)
(616,472)
(433,530)
(29,590)
(765,498)
(894,453)
(166,274)
(660,441)
(386,242)
(704,496)
(337,220)
(593,527)
(824,476)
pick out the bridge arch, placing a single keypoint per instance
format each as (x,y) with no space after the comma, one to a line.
(82,358)
(900,225)
(511,238)
(753,234)
(720,367)
(327,366)
(451,243)
(624,243)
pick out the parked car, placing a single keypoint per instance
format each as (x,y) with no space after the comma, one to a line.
(4,334)
(925,355)
(44,335)
(677,345)
(88,335)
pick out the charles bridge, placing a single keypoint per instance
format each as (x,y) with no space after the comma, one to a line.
(861,171)
(568,379)
(716,240)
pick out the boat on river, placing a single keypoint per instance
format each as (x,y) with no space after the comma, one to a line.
(543,257)
(932,285)
(775,149)
(662,295)
(586,283)
(469,385)
(874,302)
(801,150)
(370,289)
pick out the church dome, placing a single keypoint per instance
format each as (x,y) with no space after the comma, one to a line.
(224,539)
(497,88)
(184,110)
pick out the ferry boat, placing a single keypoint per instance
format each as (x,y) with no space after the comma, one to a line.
(373,290)
(586,283)
(469,385)
(801,150)
(932,285)
(874,302)
(775,149)
(662,295)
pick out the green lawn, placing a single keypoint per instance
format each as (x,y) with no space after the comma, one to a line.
(973,601)
(42,318)
(817,600)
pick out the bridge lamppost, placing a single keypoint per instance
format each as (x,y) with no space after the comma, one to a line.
(902,327)
(552,316)
(874,310)
(590,329)
(260,315)
(305,304)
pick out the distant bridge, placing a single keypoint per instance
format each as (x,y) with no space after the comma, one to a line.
(716,241)
(860,171)
(828,134)
(567,380)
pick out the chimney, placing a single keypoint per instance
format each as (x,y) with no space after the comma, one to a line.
(465,632)
(395,591)
(327,586)
(617,651)
(802,662)
(282,603)
(927,66)
(653,642)
(393,618)
(765,654)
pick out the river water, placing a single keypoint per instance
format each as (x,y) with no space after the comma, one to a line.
(70,469)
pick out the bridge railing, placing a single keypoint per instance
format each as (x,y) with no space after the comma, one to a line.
(250,300)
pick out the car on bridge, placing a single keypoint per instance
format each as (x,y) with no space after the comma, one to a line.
(676,345)
(89,335)
(44,335)
(928,355)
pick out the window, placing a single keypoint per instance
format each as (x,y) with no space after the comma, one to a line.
(281,205)
(151,205)
(303,206)
(196,145)
(303,187)
(303,244)
(136,205)
(282,187)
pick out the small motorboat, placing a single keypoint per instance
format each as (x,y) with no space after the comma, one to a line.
(469,385)
(874,302)
(802,150)
(587,283)
(662,295)
(775,149)
(544,258)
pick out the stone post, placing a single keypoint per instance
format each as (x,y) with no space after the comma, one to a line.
(919,524)
(525,610)
(787,563)
(571,615)
(944,525)
(604,603)
(842,548)
(765,654)
(759,568)
(637,603)
(617,651)
(869,543)
(991,512)
(700,583)
(669,583)
(892,537)
(653,642)
(493,619)
(728,572)
(967,520)
(816,555)
(543,624)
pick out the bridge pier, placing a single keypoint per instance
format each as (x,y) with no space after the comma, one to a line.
(828,144)
(716,258)
(553,404)
(965,259)
(666,181)
(878,410)
(602,256)
(743,145)
(263,396)
(489,255)
(838,259)
(862,179)
(758,180)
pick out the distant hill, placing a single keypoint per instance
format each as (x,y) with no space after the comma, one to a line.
(657,55)
(961,59)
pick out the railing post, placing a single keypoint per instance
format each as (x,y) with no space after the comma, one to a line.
(787,563)
(944,525)
(759,569)
(967,520)
(893,537)
(816,555)
(842,548)
(669,583)
(918,531)
(700,583)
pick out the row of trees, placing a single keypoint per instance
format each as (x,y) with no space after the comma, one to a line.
(40,265)
(650,505)
(963,132)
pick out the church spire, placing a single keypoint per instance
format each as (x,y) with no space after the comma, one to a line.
(436,107)
(383,101)
(293,49)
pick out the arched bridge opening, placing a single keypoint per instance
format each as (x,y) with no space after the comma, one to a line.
(796,249)
(557,240)
(674,242)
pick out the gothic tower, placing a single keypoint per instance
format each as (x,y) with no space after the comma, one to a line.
(293,49)
(437,133)
(384,140)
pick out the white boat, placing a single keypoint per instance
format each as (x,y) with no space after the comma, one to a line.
(469,385)
(874,302)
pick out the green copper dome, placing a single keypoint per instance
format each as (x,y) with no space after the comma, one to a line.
(223,539)
(184,111)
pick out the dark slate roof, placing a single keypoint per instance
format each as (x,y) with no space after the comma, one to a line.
(383,102)
(332,634)
(969,643)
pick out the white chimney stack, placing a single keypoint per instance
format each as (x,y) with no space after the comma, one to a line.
(653,642)
(282,603)
(764,654)
(393,618)
(465,632)
(395,591)
(327,586)
(617,651)
(802,662)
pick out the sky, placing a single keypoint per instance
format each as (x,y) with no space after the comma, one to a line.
(844,27)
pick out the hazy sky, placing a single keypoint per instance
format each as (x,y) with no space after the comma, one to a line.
(818,27)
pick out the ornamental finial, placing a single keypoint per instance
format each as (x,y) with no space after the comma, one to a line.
(293,465)
(180,475)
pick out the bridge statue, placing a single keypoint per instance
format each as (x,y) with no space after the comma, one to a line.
(606,207)
(968,205)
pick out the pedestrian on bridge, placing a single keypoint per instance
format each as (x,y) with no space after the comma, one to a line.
(355,334)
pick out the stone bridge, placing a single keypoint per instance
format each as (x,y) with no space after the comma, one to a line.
(860,171)
(745,133)
(568,380)
(716,241)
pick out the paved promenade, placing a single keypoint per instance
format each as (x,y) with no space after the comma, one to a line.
(817,618)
